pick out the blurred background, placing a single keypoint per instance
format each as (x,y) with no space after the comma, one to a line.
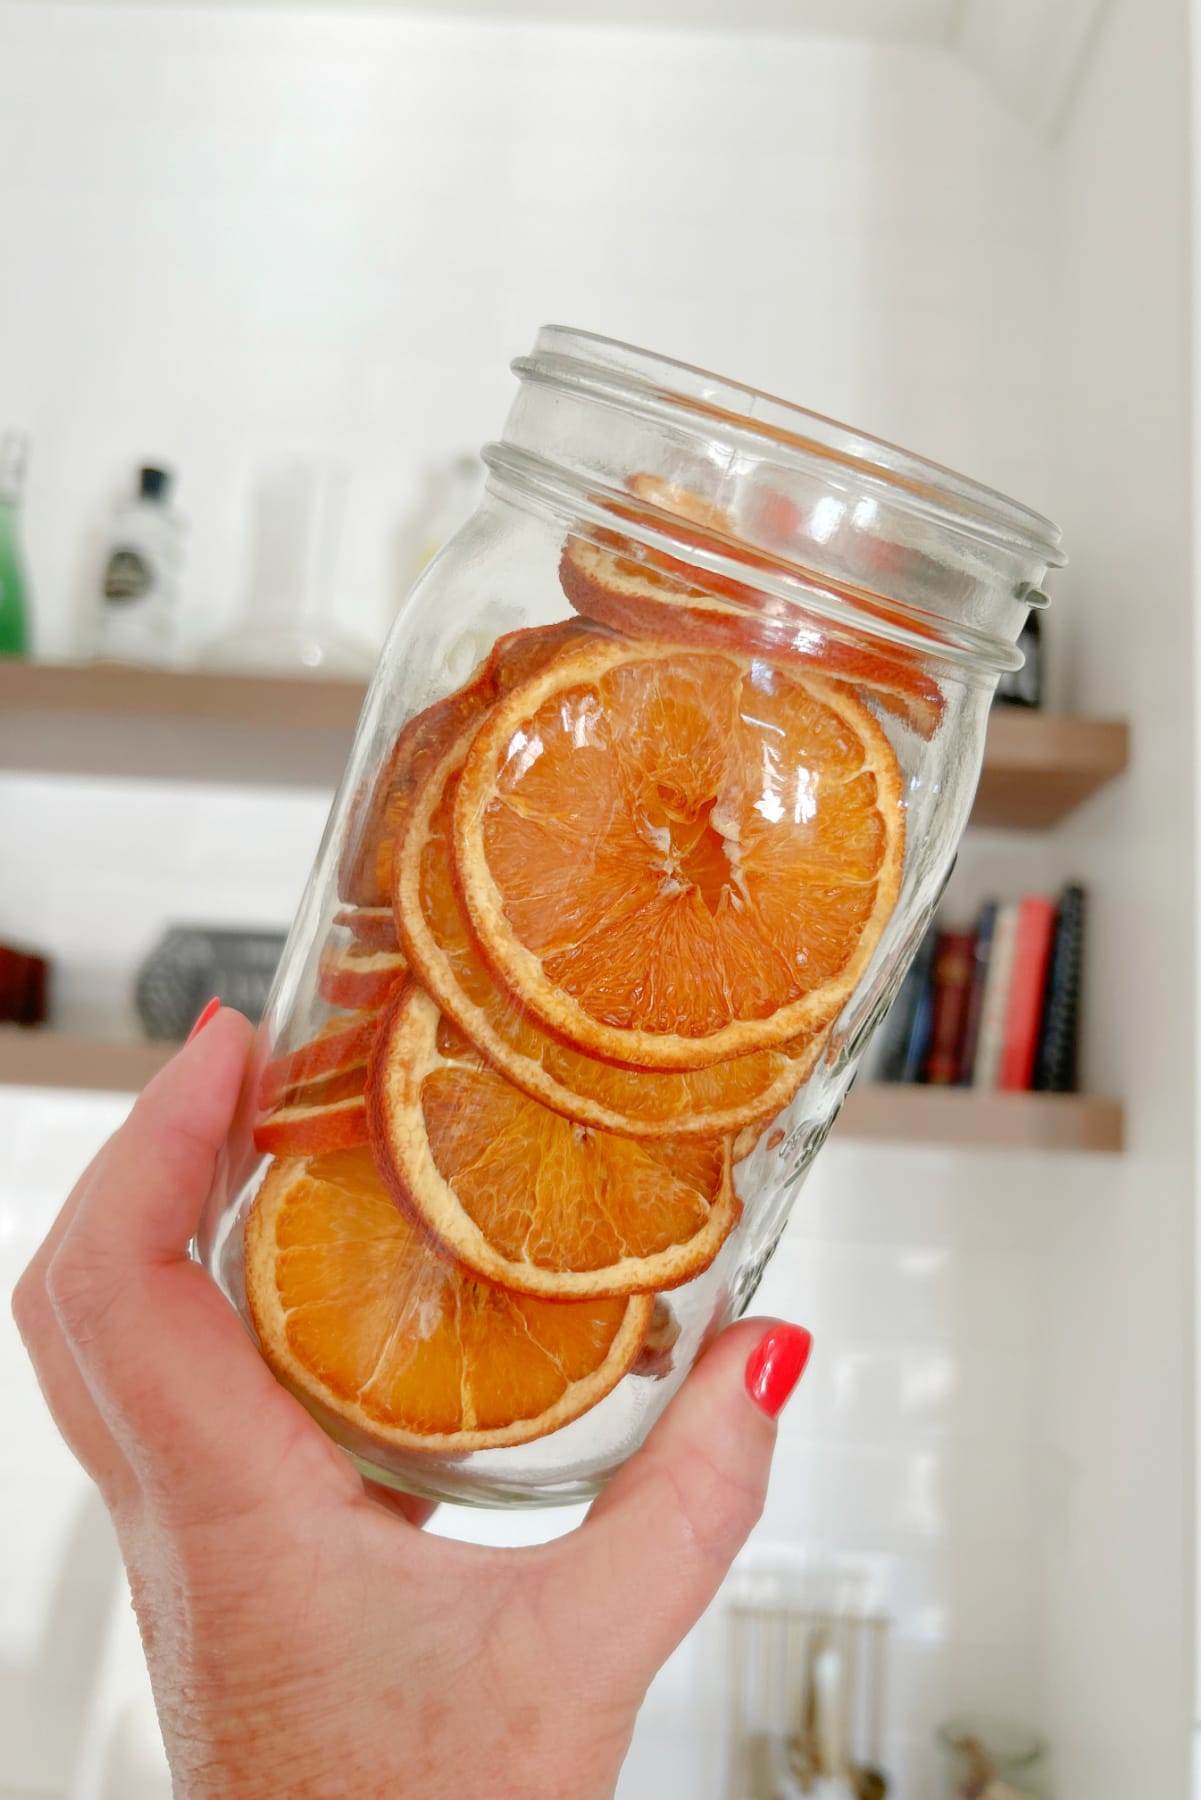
(262,271)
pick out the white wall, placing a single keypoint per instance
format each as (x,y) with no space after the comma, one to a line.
(1116,1426)
(231,233)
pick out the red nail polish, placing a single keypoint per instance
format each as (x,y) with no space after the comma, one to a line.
(775,1366)
(210,1012)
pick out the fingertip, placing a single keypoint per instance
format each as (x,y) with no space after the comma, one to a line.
(207,1014)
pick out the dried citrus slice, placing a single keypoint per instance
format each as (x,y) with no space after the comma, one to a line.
(341,1044)
(311,1129)
(523,1196)
(641,594)
(372,926)
(357,1316)
(635,1102)
(676,857)
(365,876)
(357,977)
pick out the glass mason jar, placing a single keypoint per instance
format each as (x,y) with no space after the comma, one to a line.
(655,790)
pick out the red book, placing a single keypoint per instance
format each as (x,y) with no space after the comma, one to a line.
(953,967)
(1023,1014)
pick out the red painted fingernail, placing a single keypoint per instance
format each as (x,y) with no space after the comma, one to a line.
(210,1012)
(775,1366)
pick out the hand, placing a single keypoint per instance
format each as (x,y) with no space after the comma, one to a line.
(304,1638)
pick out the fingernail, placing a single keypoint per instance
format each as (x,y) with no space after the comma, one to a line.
(210,1012)
(775,1366)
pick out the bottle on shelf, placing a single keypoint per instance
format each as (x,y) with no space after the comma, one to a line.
(136,614)
(1025,686)
(290,622)
(14,581)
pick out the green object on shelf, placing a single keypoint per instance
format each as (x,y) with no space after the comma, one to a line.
(14,585)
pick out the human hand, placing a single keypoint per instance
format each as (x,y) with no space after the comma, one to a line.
(304,1638)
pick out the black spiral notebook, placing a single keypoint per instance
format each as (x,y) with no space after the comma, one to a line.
(1057,1059)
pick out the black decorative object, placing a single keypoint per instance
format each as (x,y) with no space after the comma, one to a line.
(194,963)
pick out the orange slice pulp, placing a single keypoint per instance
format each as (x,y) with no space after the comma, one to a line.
(357,1316)
(523,1196)
(675,857)
(636,1102)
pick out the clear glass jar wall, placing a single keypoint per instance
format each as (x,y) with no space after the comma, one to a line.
(656,787)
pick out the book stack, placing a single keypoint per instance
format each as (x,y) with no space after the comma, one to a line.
(997,1007)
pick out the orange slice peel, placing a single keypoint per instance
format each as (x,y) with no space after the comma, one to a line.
(359,978)
(343,1043)
(310,1129)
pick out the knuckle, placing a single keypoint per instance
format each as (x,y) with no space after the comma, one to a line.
(80,1291)
(717,1505)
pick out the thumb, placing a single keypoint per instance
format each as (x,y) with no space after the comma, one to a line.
(659,1542)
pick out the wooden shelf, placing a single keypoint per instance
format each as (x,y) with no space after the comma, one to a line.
(34,1057)
(1038,767)
(289,730)
(961,1119)
(272,730)
(952,1117)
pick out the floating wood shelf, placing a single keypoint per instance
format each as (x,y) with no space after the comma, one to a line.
(188,726)
(906,1115)
(274,730)
(961,1119)
(35,1057)
(1038,767)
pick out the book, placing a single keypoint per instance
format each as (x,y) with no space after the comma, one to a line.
(985,920)
(991,1037)
(902,1026)
(1027,981)
(918,1046)
(950,991)
(1056,1063)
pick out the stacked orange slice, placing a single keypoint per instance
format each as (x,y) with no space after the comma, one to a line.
(600,909)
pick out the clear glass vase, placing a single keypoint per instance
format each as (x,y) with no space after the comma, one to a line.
(656,787)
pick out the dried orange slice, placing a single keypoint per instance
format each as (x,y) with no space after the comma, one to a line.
(675,857)
(358,1317)
(635,1102)
(642,594)
(358,978)
(365,876)
(309,1129)
(523,1196)
(372,926)
(341,1044)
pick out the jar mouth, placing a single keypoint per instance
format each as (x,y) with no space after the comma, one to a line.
(546,488)
(798,437)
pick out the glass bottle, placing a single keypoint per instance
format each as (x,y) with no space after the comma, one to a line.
(14,581)
(290,623)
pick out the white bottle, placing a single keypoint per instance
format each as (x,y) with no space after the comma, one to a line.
(136,620)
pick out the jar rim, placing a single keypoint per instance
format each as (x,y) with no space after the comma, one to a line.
(800,436)
(546,487)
